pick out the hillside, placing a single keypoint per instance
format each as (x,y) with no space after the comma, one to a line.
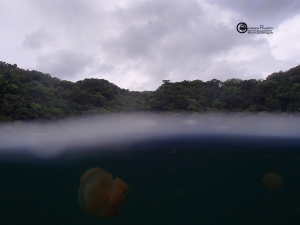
(33,95)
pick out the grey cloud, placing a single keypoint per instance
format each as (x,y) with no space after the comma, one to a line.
(36,40)
(146,31)
(65,64)
(172,29)
(62,10)
(69,17)
(265,12)
(171,14)
(148,25)
(172,40)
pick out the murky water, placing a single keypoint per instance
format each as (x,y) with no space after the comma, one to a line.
(182,170)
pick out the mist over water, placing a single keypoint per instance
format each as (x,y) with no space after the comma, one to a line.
(48,140)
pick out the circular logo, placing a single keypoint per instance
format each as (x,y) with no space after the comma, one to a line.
(242,27)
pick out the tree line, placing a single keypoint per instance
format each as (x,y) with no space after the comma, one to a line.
(33,95)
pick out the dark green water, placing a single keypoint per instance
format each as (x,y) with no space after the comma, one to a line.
(176,180)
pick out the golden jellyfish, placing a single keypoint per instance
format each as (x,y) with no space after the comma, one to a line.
(99,194)
(272,181)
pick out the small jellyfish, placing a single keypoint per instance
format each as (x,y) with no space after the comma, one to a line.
(99,194)
(272,181)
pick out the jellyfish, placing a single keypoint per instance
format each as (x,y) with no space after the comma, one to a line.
(99,194)
(272,181)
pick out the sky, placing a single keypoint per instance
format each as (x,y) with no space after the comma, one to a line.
(136,44)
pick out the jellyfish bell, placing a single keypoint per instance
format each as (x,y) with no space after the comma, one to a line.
(272,181)
(99,194)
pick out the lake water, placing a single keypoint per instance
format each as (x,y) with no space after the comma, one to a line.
(204,169)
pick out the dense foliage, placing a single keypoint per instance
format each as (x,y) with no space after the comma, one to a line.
(31,95)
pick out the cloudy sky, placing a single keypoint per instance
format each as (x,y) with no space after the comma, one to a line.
(138,43)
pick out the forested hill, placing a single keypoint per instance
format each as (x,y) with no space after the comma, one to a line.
(32,95)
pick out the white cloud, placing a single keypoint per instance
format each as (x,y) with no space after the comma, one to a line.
(222,70)
(285,43)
